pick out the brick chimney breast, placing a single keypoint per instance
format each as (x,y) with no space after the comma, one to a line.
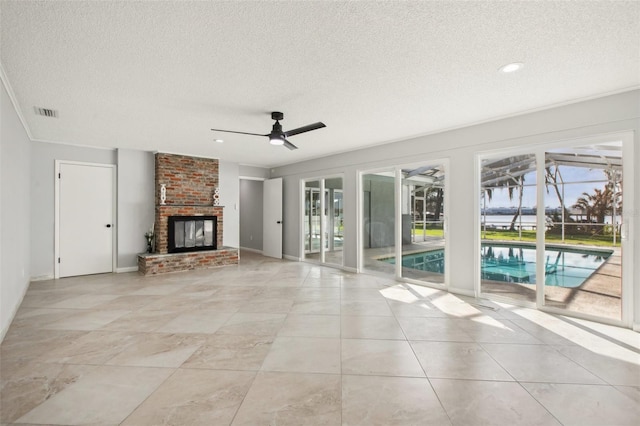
(190,183)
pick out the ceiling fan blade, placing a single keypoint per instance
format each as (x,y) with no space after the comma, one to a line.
(307,128)
(289,145)
(240,133)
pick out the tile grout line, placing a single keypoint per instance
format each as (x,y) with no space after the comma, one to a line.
(421,366)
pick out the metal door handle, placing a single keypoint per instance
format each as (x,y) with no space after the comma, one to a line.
(108,225)
(279,221)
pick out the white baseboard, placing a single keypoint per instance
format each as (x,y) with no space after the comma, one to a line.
(293,258)
(127,269)
(42,277)
(251,250)
(636,327)
(14,311)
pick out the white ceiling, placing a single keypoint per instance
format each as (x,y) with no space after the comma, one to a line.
(159,75)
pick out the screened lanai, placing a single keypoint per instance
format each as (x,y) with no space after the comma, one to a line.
(424,187)
(562,166)
(582,202)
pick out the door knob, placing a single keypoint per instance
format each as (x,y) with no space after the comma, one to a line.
(108,225)
(279,221)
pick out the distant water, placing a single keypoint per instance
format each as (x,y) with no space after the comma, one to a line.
(527,221)
(500,220)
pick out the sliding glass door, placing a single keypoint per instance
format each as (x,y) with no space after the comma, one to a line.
(323,220)
(553,230)
(403,220)
(334,220)
(312,219)
(423,222)
(583,257)
(378,241)
(508,226)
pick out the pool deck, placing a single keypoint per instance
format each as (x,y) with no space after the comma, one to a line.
(599,295)
(371,256)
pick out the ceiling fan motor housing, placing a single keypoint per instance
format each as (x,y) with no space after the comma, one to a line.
(277,129)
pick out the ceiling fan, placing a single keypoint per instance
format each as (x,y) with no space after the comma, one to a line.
(277,136)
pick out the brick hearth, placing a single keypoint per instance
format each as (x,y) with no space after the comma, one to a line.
(152,263)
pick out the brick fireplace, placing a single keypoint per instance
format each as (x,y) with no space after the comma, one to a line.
(189,185)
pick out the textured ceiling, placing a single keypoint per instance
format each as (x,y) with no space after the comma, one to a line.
(160,75)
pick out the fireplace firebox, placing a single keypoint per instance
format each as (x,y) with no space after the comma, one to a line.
(192,233)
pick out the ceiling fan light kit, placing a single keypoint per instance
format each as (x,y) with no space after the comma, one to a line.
(277,136)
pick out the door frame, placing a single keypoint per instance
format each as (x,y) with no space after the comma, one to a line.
(321,189)
(626,244)
(360,212)
(396,169)
(114,216)
(444,162)
(311,193)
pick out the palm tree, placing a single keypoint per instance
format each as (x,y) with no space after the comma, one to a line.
(508,173)
(520,183)
(584,204)
(551,179)
(599,204)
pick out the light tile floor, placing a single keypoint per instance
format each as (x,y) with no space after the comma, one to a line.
(284,343)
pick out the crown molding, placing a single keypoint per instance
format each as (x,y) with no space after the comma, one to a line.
(14,101)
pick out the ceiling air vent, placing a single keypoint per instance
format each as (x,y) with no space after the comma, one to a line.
(46,112)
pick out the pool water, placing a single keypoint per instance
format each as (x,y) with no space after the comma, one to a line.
(565,267)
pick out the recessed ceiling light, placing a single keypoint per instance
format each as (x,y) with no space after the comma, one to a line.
(218,140)
(512,67)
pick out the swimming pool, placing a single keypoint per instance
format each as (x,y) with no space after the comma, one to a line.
(564,266)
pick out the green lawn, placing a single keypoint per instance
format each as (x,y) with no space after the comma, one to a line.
(430,232)
(530,236)
(591,240)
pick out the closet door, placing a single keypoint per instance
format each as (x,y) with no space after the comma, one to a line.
(85,219)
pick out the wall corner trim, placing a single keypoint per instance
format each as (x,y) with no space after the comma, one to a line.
(14,311)
(14,101)
(42,277)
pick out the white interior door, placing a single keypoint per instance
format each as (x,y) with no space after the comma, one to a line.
(85,219)
(272,218)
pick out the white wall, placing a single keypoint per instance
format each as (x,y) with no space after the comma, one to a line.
(136,204)
(252,172)
(135,200)
(229,181)
(598,116)
(15,148)
(43,156)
